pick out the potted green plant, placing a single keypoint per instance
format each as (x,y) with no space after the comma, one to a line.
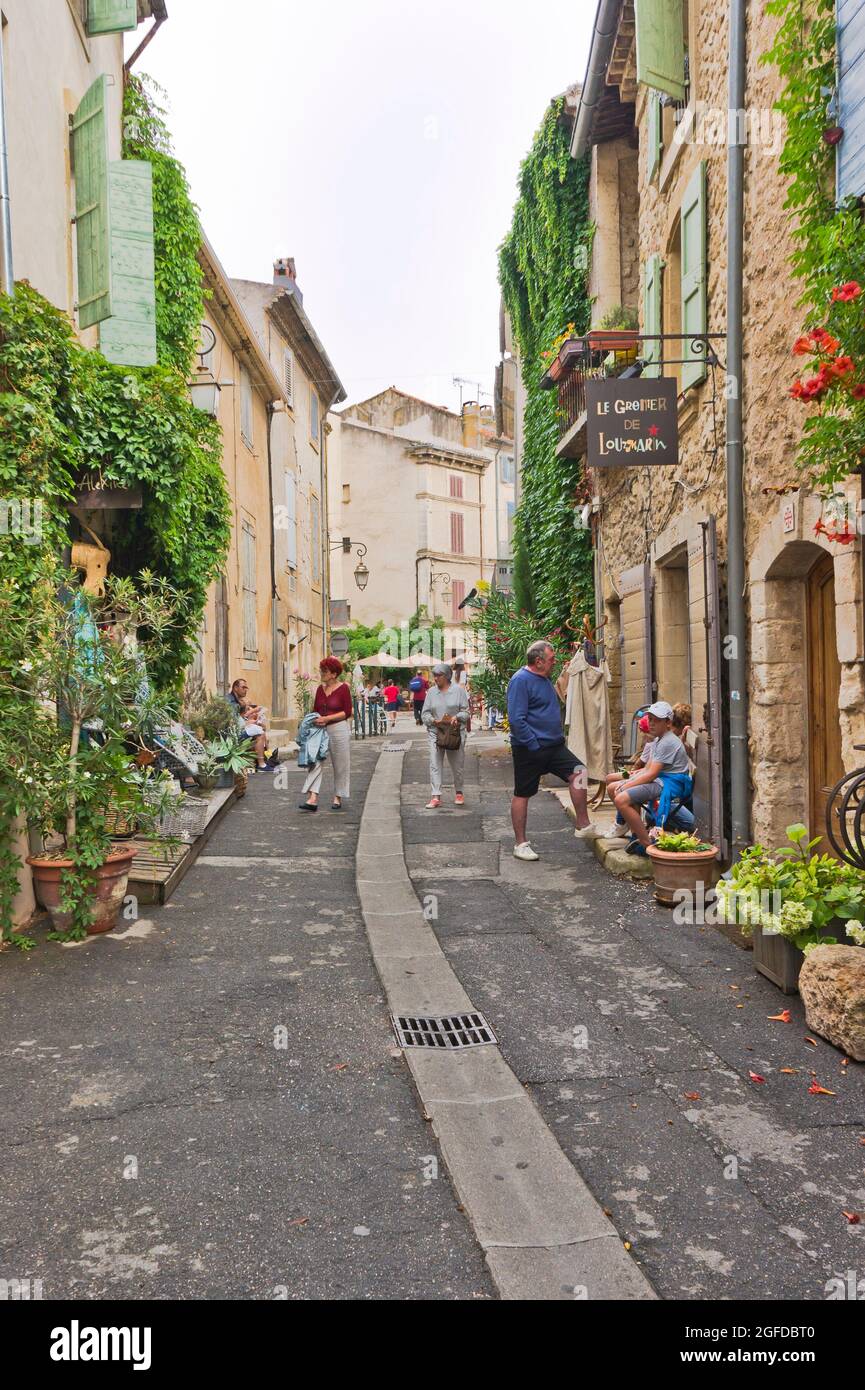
(234,756)
(83,712)
(791,900)
(207,776)
(681,861)
(213,719)
(617,333)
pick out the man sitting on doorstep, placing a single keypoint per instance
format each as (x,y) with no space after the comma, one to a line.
(252,720)
(664,777)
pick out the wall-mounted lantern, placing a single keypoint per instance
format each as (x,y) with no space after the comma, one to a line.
(204,389)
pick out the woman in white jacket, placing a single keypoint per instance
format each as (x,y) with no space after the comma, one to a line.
(446,705)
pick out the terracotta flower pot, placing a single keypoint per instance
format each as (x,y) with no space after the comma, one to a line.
(673,872)
(108,893)
(613,339)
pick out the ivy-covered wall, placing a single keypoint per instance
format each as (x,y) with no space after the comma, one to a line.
(69,419)
(542,270)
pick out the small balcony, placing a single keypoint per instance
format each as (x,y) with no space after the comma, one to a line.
(599,355)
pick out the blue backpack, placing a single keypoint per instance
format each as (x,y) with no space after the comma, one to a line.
(416,683)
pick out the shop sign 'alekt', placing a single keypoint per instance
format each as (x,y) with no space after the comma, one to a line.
(632,422)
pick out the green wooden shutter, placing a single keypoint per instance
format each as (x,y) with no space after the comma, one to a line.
(661,46)
(111,16)
(90,164)
(129,336)
(653,133)
(693,236)
(652,278)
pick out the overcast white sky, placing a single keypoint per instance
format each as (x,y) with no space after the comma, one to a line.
(377,142)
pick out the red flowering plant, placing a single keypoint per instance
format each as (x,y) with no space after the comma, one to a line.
(833,441)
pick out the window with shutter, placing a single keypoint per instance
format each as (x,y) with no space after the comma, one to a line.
(458,593)
(851,97)
(90,166)
(291,518)
(693,250)
(654,138)
(508,471)
(288,375)
(660,30)
(246,408)
(315,517)
(128,337)
(314,422)
(111,16)
(456,533)
(456,485)
(652,314)
(512,511)
(250,596)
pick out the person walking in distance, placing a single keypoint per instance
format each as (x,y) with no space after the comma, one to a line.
(418,685)
(333,705)
(391,701)
(446,714)
(538,745)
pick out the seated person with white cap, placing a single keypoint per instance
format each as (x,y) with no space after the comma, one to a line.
(664,777)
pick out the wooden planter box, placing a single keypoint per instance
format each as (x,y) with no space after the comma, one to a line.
(613,339)
(780,961)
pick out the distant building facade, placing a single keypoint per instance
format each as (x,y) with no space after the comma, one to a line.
(431,495)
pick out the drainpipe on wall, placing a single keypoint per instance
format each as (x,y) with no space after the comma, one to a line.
(7,278)
(275,688)
(739,777)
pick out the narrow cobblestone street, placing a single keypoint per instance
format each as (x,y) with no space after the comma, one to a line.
(164,1144)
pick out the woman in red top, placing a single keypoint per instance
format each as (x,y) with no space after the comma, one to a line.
(333,705)
(391,701)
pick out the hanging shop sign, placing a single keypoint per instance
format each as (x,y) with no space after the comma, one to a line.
(632,422)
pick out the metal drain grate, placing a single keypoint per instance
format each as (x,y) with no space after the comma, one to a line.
(395,747)
(446,1033)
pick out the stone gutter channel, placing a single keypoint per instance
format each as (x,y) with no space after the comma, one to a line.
(543,1234)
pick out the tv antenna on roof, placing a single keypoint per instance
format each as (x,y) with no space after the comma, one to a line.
(462,381)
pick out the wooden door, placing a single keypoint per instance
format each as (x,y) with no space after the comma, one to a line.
(824,679)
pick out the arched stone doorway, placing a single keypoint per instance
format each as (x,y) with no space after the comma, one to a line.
(795,723)
(825,762)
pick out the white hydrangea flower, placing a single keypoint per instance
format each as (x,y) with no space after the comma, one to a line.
(856,932)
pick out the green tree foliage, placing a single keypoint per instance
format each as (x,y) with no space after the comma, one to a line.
(542,270)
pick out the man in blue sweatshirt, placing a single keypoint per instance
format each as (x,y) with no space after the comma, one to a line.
(538,745)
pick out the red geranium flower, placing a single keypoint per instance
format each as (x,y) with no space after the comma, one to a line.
(858,392)
(842,366)
(846,293)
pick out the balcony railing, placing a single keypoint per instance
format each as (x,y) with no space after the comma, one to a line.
(579,361)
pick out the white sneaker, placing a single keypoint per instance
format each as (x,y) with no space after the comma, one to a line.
(525,851)
(614,832)
(588,832)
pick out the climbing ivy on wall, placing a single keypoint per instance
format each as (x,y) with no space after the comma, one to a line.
(69,419)
(543,279)
(829,254)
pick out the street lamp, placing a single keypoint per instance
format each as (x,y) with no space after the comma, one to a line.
(433,580)
(204,390)
(361,573)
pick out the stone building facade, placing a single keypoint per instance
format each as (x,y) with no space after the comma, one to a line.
(431,494)
(659,199)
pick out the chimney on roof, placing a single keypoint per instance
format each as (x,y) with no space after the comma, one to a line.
(285,277)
